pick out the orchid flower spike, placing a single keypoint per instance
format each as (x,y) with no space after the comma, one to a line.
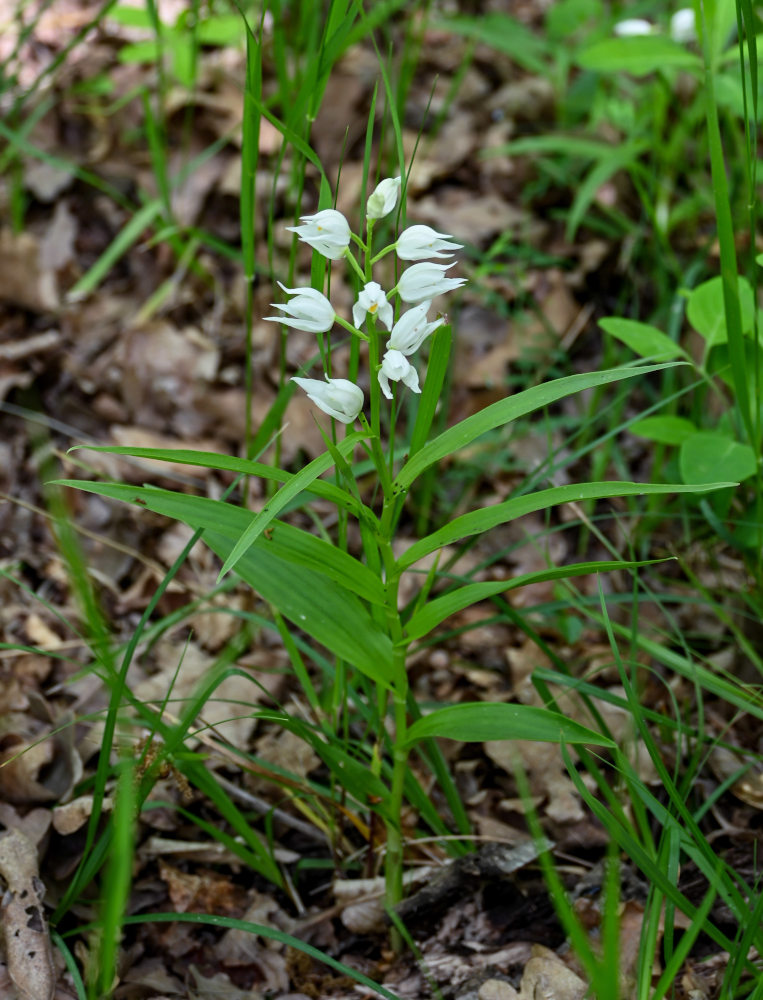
(308,310)
(373,299)
(632,27)
(384,198)
(423,242)
(397,367)
(425,281)
(340,398)
(683,26)
(328,232)
(412,329)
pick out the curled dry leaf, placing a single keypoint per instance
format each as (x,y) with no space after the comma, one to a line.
(70,817)
(25,932)
(23,280)
(748,787)
(44,770)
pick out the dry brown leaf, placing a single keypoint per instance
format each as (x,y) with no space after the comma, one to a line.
(71,817)
(216,986)
(27,941)
(241,948)
(24,762)
(546,977)
(202,892)
(57,245)
(34,824)
(23,280)
(47,181)
(496,989)
(546,774)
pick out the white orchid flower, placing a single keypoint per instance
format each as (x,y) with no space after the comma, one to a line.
(425,281)
(309,310)
(373,299)
(423,242)
(328,232)
(384,198)
(683,26)
(412,329)
(632,27)
(340,398)
(397,367)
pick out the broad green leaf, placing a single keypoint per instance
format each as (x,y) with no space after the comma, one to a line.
(437,610)
(566,17)
(132,17)
(289,543)
(229,463)
(706,313)
(328,612)
(711,454)
(640,55)
(665,430)
(298,546)
(139,52)
(276,504)
(478,721)
(506,410)
(645,340)
(477,521)
(222,29)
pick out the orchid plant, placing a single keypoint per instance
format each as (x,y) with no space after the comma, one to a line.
(349,601)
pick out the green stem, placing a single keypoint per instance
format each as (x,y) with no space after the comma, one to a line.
(393,868)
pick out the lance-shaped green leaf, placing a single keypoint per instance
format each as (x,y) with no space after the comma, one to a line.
(478,721)
(286,541)
(328,612)
(443,607)
(288,491)
(506,410)
(230,463)
(477,521)
(646,340)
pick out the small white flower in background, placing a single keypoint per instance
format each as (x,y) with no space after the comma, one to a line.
(397,367)
(340,398)
(423,242)
(683,27)
(412,329)
(425,281)
(384,198)
(632,27)
(373,299)
(328,232)
(308,310)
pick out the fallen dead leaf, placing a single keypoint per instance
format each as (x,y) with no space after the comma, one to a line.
(23,280)
(73,815)
(546,976)
(28,950)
